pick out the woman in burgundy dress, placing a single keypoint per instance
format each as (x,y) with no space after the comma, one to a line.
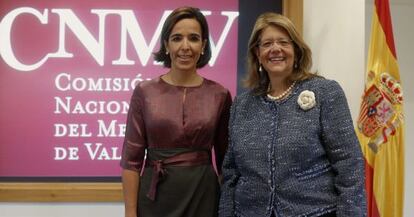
(174,121)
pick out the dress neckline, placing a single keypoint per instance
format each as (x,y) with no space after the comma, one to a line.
(180,86)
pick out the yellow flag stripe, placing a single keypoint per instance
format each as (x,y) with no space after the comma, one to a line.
(381,122)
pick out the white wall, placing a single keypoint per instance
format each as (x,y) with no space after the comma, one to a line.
(335,32)
(338,33)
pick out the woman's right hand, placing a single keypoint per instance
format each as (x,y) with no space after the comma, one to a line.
(132,213)
(130,185)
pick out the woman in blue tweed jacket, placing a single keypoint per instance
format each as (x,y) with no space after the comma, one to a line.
(293,150)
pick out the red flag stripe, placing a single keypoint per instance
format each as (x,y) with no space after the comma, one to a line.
(369,183)
(363,112)
(384,16)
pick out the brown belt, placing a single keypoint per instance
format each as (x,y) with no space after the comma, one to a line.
(195,158)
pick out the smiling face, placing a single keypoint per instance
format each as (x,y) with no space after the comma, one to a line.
(185,45)
(276,52)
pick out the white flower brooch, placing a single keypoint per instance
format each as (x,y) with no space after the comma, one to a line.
(306,100)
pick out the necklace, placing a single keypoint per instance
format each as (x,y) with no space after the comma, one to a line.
(280,96)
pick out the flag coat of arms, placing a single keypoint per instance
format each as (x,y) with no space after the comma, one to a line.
(380,126)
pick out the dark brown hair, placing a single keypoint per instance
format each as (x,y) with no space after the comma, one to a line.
(177,15)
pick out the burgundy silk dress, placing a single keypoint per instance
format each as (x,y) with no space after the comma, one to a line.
(175,128)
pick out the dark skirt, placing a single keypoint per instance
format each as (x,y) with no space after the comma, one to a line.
(184,191)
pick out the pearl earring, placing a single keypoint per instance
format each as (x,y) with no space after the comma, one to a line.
(166,52)
(260,68)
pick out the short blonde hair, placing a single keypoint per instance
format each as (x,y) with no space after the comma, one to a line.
(259,81)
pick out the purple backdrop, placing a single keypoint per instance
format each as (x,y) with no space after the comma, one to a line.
(67,71)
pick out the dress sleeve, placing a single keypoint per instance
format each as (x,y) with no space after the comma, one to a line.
(221,136)
(230,173)
(343,150)
(134,146)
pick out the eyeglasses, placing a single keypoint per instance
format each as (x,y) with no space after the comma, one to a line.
(283,43)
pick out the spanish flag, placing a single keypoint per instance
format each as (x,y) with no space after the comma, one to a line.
(380,126)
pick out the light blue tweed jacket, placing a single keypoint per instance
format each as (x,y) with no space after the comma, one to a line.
(291,161)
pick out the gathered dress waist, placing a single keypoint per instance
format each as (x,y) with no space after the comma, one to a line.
(190,158)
